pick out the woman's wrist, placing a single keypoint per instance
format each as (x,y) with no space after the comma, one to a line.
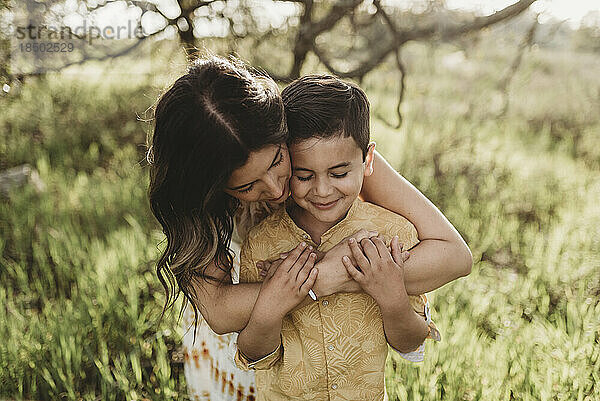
(332,278)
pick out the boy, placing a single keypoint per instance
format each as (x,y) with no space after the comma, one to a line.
(334,348)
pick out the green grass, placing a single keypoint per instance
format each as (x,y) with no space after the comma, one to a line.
(80,302)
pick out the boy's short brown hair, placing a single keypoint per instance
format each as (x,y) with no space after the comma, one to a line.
(323,106)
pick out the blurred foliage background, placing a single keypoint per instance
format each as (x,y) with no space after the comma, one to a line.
(500,129)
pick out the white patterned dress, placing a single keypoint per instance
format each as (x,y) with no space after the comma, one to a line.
(209,366)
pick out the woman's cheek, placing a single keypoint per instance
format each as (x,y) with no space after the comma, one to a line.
(248,197)
(286,166)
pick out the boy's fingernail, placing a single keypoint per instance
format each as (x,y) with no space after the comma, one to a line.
(351,240)
(346,258)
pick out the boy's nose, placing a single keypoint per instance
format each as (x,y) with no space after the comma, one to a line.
(322,188)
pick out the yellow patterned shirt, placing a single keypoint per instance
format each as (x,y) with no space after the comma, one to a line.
(333,349)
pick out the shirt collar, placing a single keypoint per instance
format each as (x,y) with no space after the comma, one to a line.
(304,236)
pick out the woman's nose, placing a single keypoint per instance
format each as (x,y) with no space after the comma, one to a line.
(274,187)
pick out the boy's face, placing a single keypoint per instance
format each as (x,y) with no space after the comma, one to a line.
(327,175)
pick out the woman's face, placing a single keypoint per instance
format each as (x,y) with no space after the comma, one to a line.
(264,177)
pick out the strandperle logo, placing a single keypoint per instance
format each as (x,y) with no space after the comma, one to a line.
(89,34)
(43,42)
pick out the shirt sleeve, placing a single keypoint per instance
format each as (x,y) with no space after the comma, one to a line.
(264,363)
(420,304)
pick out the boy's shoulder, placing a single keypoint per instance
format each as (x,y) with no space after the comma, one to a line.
(370,210)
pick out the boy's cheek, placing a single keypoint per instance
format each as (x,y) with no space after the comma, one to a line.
(350,187)
(298,189)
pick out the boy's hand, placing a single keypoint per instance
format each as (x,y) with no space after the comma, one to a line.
(379,273)
(396,250)
(288,283)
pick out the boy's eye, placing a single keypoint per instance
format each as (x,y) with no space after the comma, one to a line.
(304,178)
(342,175)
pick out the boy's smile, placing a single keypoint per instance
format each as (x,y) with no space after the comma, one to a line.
(327,176)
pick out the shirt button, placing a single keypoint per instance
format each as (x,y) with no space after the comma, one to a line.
(325,303)
(330,347)
(334,386)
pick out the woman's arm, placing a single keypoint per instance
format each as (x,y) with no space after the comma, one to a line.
(225,307)
(442,255)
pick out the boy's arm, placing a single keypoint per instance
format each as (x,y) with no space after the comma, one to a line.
(419,303)
(254,354)
(442,255)
(259,343)
(382,278)
(404,329)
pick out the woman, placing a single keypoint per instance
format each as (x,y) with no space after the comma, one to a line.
(219,164)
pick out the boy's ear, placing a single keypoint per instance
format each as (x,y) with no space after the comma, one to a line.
(369,159)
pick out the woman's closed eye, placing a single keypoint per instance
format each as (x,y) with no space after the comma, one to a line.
(275,164)
(279,161)
(247,189)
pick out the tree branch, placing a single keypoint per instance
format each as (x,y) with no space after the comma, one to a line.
(478,23)
(339,10)
(148,6)
(401,37)
(401,69)
(504,83)
(309,30)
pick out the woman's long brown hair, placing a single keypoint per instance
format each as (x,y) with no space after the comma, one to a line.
(206,125)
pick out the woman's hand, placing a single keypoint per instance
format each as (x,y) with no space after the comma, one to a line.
(287,283)
(333,277)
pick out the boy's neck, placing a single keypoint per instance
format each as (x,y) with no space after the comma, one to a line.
(307,222)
